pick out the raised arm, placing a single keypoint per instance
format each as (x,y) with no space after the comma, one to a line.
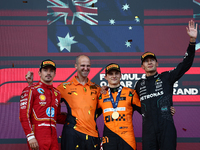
(185,65)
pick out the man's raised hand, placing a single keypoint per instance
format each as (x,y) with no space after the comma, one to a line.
(192,31)
(29,78)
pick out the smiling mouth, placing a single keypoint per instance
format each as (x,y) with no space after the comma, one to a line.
(114,79)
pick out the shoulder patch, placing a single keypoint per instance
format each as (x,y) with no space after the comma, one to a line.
(130,94)
(100,97)
(65,84)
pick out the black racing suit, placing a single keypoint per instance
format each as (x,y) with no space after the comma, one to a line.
(155,93)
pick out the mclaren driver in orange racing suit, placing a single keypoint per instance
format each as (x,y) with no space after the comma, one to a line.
(117,106)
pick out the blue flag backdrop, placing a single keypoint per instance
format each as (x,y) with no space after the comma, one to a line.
(95,26)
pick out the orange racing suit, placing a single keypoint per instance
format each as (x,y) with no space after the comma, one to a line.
(118,133)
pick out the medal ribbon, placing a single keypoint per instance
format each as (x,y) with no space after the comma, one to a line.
(117,98)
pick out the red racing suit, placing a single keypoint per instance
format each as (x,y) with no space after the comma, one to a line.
(39,110)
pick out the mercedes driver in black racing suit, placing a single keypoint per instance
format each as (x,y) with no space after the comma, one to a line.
(155,92)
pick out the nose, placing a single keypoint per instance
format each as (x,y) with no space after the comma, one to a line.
(85,68)
(48,71)
(114,75)
(149,61)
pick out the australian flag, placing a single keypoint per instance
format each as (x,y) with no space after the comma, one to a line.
(95,26)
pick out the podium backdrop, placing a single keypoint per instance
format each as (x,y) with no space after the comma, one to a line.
(107,31)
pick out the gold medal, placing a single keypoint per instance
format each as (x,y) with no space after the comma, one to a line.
(115,115)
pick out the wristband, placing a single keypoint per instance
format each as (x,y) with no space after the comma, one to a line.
(30,138)
(192,43)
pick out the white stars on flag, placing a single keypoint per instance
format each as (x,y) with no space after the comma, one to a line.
(128,44)
(66,42)
(112,21)
(125,7)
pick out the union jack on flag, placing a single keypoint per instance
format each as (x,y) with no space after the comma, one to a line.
(73,8)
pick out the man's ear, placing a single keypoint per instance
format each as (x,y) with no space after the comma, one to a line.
(105,77)
(75,66)
(39,73)
(142,66)
(156,64)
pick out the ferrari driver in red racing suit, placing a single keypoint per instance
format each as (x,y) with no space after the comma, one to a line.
(39,111)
